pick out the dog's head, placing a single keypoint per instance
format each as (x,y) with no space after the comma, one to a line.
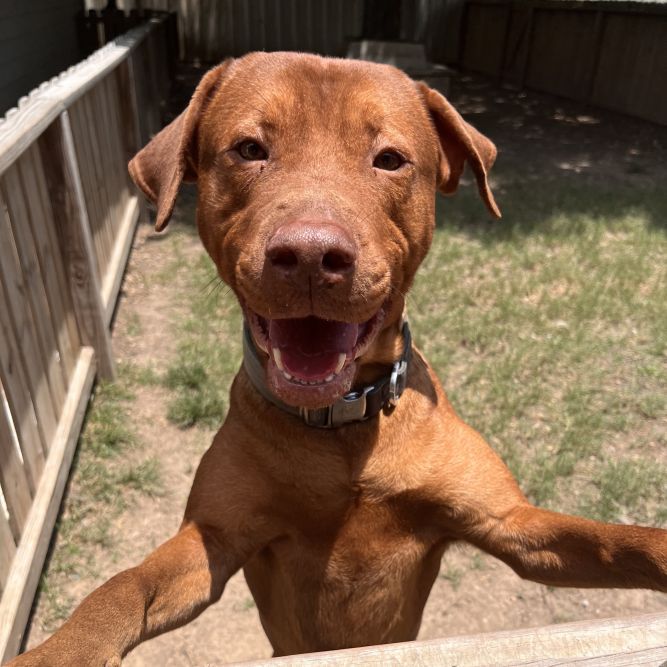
(316,180)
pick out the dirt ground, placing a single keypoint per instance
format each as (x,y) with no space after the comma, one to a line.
(474,593)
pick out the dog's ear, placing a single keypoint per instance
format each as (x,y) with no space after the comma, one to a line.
(460,142)
(171,156)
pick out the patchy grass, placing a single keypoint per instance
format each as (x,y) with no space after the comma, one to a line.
(549,331)
(637,486)
(108,472)
(209,351)
(454,575)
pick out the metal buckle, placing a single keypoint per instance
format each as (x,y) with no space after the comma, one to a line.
(349,408)
(397,382)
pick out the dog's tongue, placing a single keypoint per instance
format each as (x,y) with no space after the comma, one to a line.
(312,348)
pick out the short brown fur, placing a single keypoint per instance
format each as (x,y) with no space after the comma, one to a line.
(340,532)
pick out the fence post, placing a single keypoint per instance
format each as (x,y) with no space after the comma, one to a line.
(71,217)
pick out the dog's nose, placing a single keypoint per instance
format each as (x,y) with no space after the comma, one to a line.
(312,249)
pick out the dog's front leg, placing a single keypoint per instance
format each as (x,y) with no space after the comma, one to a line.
(172,586)
(481,503)
(562,550)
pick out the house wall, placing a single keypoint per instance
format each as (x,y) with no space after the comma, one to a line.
(37,41)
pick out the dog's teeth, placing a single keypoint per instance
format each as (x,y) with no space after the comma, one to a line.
(278,359)
(287,375)
(342,358)
(328,378)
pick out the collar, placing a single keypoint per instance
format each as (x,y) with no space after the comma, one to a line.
(355,406)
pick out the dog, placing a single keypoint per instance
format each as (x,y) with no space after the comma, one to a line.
(341,473)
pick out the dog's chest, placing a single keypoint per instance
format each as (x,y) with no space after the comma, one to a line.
(344,574)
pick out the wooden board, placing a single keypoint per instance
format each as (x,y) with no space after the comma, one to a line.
(15,486)
(7,550)
(21,329)
(13,194)
(83,159)
(638,640)
(26,566)
(53,246)
(50,262)
(116,269)
(71,217)
(20,402)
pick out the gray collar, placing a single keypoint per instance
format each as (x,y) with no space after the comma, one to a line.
(355,406)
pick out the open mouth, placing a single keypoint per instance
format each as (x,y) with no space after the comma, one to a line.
(312,360)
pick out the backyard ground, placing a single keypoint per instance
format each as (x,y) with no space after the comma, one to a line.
(548,329)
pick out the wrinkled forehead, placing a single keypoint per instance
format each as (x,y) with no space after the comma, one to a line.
(283,92)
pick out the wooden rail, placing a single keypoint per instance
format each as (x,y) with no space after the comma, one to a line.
(67,218)
(631,642)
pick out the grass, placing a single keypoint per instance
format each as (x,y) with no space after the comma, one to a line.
(110,471)
(548,329)
(208,353)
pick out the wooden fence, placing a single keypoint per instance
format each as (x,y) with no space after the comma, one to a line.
(67,218)
(211,30)
(614,642)
(610,54)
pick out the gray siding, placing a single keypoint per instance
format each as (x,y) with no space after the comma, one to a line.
(37,41)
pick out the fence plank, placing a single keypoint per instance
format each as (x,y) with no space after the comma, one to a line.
(105,167)
(97,177)
(116,268)
(17,392)
(12,192)
(53,246)
(632,65)
(70,214)
(13,479)
(27,564)
(21,323)
(7,550)
(41,228)
(120,173)
(611,642)
(84,159)
(129,112)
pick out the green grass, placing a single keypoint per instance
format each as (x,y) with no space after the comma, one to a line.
(548,329)
(209,351)
(108,471)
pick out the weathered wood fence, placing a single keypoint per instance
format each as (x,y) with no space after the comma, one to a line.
(614,642)
(610,54)
(211,30)
(67,218)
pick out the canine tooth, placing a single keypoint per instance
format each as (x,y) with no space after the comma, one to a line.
(287,375)
(277,357)
(342,357)
(328,378)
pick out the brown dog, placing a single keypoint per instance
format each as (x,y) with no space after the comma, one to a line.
(316,186)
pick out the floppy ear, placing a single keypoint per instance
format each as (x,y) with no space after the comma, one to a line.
(460,142)
(171,156)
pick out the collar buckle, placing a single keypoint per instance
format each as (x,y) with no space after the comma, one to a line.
(397,381)
(349,408)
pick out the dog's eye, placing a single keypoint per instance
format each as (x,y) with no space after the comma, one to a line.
(251,150)
(389,161)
